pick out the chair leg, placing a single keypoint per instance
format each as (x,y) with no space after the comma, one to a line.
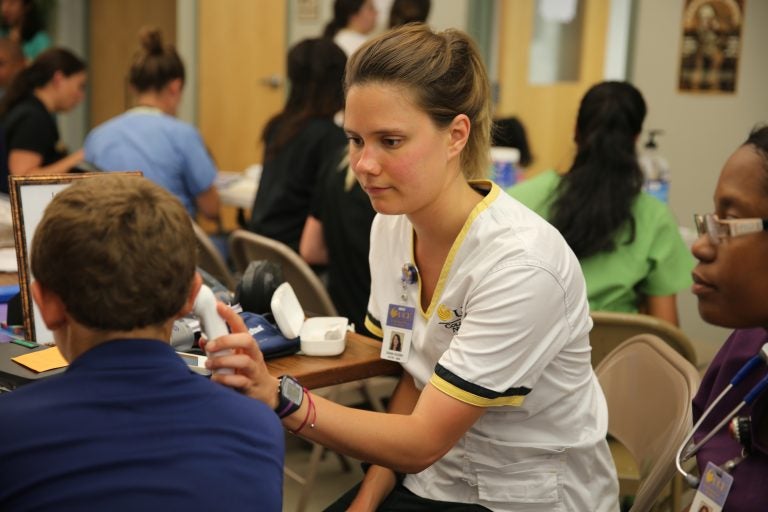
(371,397)
(344,462)
(309,479)
(676,492)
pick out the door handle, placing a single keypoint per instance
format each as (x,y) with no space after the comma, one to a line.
(272,81)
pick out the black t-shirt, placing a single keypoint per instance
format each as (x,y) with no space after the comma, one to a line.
(346,216)
(288,182)
(29,126)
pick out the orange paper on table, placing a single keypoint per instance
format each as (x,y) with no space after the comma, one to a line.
(42,360)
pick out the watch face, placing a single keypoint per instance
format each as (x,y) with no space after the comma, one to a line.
(292,390)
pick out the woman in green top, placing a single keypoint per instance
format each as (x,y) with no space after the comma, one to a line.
(627,242)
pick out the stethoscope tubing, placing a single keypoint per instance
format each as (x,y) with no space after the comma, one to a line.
(745,370)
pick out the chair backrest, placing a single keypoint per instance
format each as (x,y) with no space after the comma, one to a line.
(246,246)
(611,329)
(210,259)
(649,388)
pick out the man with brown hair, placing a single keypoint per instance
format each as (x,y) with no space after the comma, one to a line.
(128,425)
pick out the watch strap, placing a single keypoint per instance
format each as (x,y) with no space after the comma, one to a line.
(286,406)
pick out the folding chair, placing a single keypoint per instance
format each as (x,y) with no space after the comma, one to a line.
(649,388)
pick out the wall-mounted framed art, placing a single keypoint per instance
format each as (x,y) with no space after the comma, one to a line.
(711,45)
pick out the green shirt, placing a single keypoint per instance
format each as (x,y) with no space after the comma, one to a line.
(656,263)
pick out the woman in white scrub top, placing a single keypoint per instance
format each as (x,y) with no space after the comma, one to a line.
(498,407)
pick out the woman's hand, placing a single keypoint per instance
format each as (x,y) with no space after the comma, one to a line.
(250,376)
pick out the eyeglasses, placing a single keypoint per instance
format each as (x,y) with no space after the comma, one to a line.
(718,229)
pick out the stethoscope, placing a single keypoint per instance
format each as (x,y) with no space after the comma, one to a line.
(685,451)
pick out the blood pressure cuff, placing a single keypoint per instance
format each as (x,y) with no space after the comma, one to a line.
(271,341)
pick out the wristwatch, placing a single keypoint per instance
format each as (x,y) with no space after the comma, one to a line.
(289,396)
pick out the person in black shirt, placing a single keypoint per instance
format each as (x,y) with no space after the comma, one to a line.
(299,139)
(54,82)
(337,234)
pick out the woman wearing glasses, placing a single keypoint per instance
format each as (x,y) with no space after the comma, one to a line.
(730,282)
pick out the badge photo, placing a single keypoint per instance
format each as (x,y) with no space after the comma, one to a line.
(398,331)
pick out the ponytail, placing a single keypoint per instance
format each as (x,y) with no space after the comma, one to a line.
(332,28)
(21,87)
(316,73)
(342,11)
(593,201)
(444,72)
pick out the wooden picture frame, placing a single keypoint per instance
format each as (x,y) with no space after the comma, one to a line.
(710,47)
(30,195)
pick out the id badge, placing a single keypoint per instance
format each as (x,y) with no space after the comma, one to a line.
(398,331)
(713,490)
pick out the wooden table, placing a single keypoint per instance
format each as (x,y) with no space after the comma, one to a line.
(359,360)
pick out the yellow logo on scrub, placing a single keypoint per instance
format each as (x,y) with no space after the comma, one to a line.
(443,313)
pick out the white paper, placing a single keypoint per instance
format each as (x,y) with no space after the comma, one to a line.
(8,260)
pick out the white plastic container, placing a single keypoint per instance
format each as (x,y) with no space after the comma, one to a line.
(505,162)
(319,336)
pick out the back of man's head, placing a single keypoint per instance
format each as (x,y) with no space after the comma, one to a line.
(118,250)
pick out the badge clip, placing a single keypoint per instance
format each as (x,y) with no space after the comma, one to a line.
(409,275)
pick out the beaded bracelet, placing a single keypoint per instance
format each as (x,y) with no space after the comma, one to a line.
(311,409)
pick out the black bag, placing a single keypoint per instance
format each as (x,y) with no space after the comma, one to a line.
(254,294)
(258,284)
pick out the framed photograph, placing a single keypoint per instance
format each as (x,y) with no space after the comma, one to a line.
(711,45)
(30,196)
(308,10)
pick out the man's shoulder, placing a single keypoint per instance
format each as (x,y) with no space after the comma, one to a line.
(29,401)
(226,401)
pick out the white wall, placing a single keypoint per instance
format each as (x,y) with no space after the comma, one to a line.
(701,130)
(71,31)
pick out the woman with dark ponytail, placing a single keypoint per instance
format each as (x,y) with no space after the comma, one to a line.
(149,138)
(353,21)
(54,82)
(627,242)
